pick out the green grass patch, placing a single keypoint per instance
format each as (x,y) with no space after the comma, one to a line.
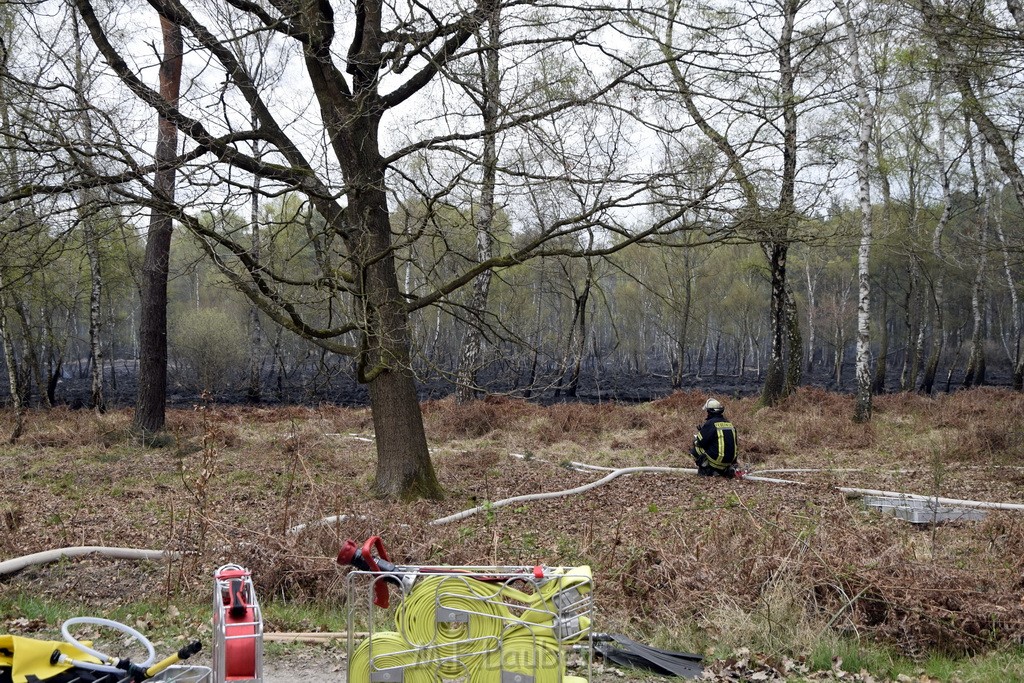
(303,616)
(854,657)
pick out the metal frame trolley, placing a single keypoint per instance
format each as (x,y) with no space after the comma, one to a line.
(471,624)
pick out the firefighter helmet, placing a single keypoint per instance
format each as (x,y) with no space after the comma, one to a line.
(713,405)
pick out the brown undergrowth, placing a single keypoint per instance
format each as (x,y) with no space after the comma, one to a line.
(694,561)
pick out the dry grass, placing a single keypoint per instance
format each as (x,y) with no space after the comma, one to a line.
(446,420)
(707,561)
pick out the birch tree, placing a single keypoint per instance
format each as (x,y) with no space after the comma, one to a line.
(865,116)
(946,168)
(488,101)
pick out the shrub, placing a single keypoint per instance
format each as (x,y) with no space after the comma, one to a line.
(208,347)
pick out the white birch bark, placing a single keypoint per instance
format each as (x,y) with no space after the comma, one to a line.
(254,388)
(812,308)
(975,374)
(11,168)
(469,363)
(938,333)
(10,360)
(865,111)
(96,400)
(1011,285)
(87,215)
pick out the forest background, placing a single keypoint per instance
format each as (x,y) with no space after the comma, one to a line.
(646,196)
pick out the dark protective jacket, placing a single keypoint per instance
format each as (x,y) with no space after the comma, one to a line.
(716,443)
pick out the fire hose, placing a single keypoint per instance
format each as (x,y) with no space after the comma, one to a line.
(454,623)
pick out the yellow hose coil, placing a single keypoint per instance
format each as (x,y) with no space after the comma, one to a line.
(389,651)
(457,617)
(538,657)
(560,604)
(455,626)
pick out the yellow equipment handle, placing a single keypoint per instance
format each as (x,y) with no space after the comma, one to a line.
(182,654)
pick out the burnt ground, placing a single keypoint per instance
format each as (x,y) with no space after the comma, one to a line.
(334,383)
(708,565)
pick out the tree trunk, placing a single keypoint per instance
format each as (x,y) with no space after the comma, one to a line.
(862,406)
(87,213)
(31,346)
(10,362)
(152,389)
(777,246)
(975,374)
(1016,357)
(795,344)
(812,283)
(881,364)
(254,384)
(684,327)
(96,400)
(469,363)
(917,357)
(404,470)
(12,379)
(837,368)
(775,376)
(908,333)
(577,339)
(938,295)
(581,341)
(10,359)
(952,363)
(535,346)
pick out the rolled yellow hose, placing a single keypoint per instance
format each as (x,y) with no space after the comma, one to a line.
(536,656)
(560,604)
(457,617)
(456,626)
(388,650)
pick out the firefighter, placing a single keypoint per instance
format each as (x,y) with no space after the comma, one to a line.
(714,447)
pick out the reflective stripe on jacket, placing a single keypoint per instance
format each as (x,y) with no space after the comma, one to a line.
(717,442)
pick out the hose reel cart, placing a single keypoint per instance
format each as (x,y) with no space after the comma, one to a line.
(237,627)
(473,624)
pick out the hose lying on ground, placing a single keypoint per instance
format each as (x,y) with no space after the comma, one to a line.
(18,563)
(683,470)
(557,494)
(47,556)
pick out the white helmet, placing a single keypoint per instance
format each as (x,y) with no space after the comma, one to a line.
(713,405)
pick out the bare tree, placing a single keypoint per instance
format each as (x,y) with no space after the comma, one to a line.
(88,209)
(946,169)
(489,103)
(770,221)
(865,115)
(152,392)
(983,190)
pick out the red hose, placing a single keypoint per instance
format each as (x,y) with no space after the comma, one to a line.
(239,627)
(240,646)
